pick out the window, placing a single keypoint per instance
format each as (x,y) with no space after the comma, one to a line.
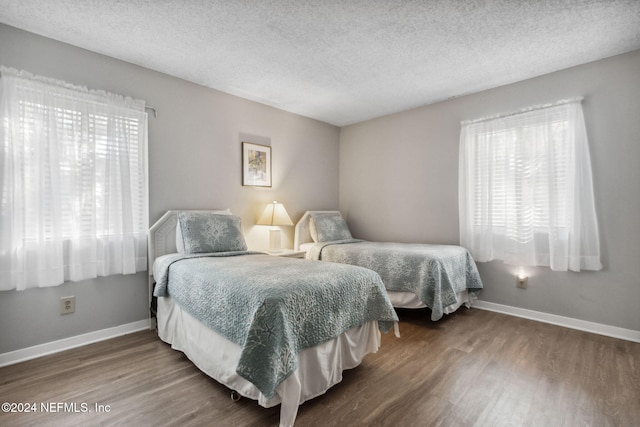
(526,193)
(73,187)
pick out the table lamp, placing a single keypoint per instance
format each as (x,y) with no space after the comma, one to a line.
(274,215)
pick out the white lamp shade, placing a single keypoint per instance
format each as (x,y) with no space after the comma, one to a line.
(274,214)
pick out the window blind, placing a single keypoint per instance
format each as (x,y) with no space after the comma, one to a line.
(74,188)
(526,194)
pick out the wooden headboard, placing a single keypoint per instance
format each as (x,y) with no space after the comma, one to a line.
(302,234)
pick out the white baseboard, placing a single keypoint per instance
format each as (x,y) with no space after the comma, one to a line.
(28,353)
(567,322)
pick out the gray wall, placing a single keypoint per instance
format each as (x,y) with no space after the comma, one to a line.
(399,181)
(194,162)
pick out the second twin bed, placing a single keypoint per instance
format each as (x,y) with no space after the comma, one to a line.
(440,277)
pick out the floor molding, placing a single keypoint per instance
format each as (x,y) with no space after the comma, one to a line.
(567,322)
(29,353)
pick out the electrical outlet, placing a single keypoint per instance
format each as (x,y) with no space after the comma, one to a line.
(67,305)
(521,282)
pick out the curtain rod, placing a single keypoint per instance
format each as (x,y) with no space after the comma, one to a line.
(524,110)
(147,107)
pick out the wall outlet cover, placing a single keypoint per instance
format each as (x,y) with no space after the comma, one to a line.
(67,305)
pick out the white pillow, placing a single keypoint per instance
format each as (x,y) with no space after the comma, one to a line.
(179,239)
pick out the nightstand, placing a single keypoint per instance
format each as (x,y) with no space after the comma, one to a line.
(288,253)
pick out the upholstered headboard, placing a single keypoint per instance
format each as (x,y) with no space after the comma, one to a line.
(302,233)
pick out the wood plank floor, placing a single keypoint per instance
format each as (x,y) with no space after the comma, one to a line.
(473,368)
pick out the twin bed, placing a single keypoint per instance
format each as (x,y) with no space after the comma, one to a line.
(280,330)
(440,277)
(277,330)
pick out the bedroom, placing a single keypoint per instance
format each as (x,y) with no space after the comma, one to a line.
(407,164)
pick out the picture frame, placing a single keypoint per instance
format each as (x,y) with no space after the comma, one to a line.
(256,165)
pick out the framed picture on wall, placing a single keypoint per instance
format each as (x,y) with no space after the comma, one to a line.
(256,165)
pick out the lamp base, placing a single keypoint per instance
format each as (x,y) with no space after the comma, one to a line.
(275,245)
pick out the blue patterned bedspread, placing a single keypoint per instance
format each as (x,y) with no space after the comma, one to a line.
(436,273)
(273,307)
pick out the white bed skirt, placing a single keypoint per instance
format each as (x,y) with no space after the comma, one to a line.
(411,300)
(319,368)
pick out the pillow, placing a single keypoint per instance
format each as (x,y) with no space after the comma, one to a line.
(180,242)
(326,227)
(208,232)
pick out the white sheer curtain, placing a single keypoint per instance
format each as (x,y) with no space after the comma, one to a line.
(525,189)
(73,183)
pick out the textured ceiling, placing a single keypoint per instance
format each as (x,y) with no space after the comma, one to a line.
(341,61)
